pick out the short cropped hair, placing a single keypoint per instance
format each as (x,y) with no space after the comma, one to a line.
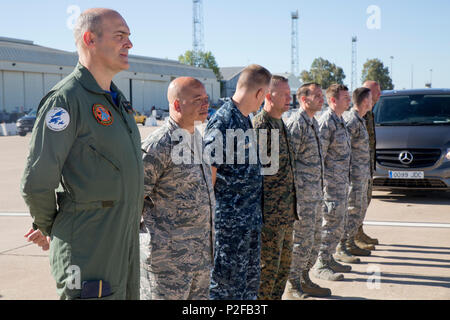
(253,77)
(305,90)
(276,80)
(334,90)
(87,21)
(360,94)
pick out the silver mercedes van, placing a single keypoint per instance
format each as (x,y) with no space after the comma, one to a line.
(413,140)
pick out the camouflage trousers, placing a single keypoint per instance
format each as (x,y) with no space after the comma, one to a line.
(307,239)
(236,272)
(276,253)
(369,190)
(334,215)
(169,281)
(357,207)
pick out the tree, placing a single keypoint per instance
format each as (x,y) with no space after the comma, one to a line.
(324,73)
(374,70)
(202,59)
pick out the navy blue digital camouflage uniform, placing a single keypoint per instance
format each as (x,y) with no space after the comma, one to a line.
(238,219)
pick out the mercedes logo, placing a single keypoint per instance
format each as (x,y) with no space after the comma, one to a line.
(405,157)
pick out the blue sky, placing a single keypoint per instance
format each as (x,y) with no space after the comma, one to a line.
(415,33)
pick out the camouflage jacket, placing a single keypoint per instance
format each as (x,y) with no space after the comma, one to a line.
(336,152)
(370,125)
(304,137)
(278,189)
(238,187)
(359,138)
(179,205)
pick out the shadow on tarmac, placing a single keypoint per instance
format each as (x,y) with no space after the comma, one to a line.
(416,264)
(428,197)
(412,246)
(413,251)
(383,280)
(411,276)
(413,258)
(333,297)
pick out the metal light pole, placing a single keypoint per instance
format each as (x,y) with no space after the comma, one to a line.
(431,78)
(354,71)
(392,58)
(294,44)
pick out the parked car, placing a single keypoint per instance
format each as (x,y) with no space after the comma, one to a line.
(162,112)
(26,123)
(413,139)
(139,118)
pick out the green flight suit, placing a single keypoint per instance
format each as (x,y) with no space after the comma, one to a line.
(83,183)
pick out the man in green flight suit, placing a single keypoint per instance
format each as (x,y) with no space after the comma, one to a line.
(83,180)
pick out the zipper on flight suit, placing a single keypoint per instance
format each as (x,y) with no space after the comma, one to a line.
(119,109)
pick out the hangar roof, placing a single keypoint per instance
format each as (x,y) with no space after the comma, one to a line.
(17,50)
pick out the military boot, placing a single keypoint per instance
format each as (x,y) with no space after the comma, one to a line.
(364,245)
(343,255)
(353,249)
(311,288)
(323,270)
(294,291)
(361,236)
(337,267)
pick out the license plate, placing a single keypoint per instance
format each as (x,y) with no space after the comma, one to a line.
(406,174)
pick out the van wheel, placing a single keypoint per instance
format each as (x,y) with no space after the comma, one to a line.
(22,134)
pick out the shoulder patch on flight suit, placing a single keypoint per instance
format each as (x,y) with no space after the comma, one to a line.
(57,119)
(102,114)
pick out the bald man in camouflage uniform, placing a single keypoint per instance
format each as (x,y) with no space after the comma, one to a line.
(176,243)
(336,152)
(304,138)
(279,209)
(359,168)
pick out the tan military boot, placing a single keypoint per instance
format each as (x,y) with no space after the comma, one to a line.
(353,249)
(337,267)
(294,291)
(364,245)
(343,255)
(361,236)
(323,270)
(311,288)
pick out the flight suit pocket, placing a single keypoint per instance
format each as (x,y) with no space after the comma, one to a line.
(99,183)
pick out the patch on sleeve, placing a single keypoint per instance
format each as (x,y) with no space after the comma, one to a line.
(57,119)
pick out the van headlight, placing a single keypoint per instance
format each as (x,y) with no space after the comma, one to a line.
(447,156)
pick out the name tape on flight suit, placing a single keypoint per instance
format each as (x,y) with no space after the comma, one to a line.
(57,119)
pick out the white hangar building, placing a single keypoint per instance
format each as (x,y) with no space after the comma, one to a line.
(28,71)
